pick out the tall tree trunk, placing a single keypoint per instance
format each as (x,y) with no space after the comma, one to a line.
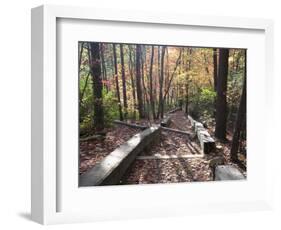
(241,116)
(138,81)
(186,97)
(155,81)
(80,56)
(79,70)
(221,103)
(132,82)
(105,83)
(144,73)
(188,68)
(95,67)
(124,82)
(215,73)
(161,80)
(117,82)
(215,63)
(84,89)
(158,79)
(239,55)
(150,83)
(166,78)
(143,83)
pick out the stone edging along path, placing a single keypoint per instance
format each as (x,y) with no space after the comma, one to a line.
(111,169)
(207,143)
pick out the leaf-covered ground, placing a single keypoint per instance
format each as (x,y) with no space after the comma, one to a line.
(93,151)
(175,158)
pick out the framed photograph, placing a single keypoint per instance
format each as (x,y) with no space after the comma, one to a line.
(146,114)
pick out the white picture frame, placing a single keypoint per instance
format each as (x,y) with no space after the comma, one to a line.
(49,189)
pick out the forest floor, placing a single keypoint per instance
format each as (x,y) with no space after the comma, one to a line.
(223,147)
(174,158)
(94,150)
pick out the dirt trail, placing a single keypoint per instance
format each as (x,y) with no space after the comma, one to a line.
(174,158)
(180,121)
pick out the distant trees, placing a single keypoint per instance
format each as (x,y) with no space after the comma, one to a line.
(125,81)
(221,103)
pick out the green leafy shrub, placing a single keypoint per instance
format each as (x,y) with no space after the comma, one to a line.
(202,103)
(110,105)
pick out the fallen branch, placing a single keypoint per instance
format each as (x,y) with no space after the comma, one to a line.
(174,110)
(156,157)
(176,131)
(130,125)
(94,137)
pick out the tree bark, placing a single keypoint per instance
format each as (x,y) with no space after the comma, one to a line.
(132,82)
(239,122)
(103,67)
(188,68)
(95,66)
(158,79)
(215,76)
(138,81)
(145,96)
(79,70)
(161,80)
(215,63)
(117,82)
(124,82)
(84,89)
(221,103)
(239,55)
(80,56)
(150,83)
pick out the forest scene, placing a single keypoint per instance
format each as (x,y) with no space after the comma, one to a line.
(153,114)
